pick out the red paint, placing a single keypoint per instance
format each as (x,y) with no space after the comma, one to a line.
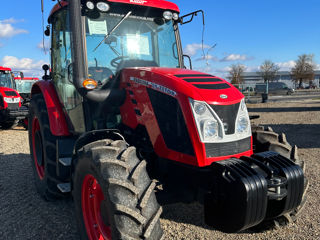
(165,77)
(36,130)
(5,69)
(161,4)
(91,198)
(58,123)
(26,78)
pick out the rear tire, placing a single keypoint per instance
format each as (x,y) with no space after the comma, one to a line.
(265,139)
(128,208)
(43,150)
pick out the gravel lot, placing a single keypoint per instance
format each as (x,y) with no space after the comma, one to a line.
(24,215)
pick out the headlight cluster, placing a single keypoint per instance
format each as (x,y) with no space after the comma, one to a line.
(101,6)
(170,15)
(207,123)
(11,100)
(213,129)
(242,124)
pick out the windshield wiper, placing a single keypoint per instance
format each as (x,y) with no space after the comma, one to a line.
(114,28)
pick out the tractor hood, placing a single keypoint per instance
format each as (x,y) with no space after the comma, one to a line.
(196,85)
(9,92)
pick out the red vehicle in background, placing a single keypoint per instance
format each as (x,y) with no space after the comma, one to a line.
(10,100)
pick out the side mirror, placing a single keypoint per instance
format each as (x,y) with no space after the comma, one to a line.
(189,58)
(46,68)
(47,31)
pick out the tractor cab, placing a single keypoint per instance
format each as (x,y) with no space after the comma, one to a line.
(10,100)
(24,85)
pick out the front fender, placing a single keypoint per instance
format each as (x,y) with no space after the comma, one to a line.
(57,118)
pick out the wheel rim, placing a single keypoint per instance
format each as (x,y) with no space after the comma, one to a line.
(37,148)
(91,200)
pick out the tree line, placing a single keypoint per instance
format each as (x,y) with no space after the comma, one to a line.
(302,72)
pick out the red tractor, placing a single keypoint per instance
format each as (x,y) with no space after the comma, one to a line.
(10,101)
(118,109)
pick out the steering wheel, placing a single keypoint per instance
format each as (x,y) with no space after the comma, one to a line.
(116,61)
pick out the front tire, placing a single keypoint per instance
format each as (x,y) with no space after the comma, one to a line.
(113,193)
(8,124)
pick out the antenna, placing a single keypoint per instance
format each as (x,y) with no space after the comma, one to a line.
(44,48)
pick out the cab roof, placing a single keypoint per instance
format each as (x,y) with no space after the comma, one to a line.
(5,69)
(160,4)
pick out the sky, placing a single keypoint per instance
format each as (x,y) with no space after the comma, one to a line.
(244,32)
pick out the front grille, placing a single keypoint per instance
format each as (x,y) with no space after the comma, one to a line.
(13,105)
(228,115)
(193,75)
(171,122)
(10,93)
(229,148)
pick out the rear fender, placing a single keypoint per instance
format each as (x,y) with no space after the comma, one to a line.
(57,118)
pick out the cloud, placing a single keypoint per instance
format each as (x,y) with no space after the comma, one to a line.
(7,30)
(27,65)
(286,66)
(46,45)
(235,57)
(206,58)
(192,49)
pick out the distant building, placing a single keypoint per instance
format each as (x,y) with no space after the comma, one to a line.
(251,78)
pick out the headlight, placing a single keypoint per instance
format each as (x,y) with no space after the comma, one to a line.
(242,124)
(167,15)
(11,100)
(175,16)
(208,124)
(242,119)
(210,129)
(103,7)
(90,5)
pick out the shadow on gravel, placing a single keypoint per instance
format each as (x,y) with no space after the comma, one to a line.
(23,213)
(302,135)
(285,109)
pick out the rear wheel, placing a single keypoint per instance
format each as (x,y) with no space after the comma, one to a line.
(265,139)
(113,194)
(43,150)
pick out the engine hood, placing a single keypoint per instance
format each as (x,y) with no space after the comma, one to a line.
(8,92)
(197,85)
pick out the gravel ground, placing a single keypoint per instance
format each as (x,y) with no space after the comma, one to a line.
(24,215)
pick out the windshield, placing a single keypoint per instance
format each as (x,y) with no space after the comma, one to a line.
(137,41)
(24,86)
(6,79)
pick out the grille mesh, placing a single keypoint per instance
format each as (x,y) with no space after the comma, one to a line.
(226,149)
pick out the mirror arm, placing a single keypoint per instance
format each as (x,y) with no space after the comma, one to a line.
(192,16)
(187,56)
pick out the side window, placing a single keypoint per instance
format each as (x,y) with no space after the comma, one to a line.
(62,70)
(61,61)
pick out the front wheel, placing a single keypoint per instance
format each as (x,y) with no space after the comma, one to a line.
(113,194)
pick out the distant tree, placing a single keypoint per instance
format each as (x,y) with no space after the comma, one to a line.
(236,73)
(303,71)
(268,71)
